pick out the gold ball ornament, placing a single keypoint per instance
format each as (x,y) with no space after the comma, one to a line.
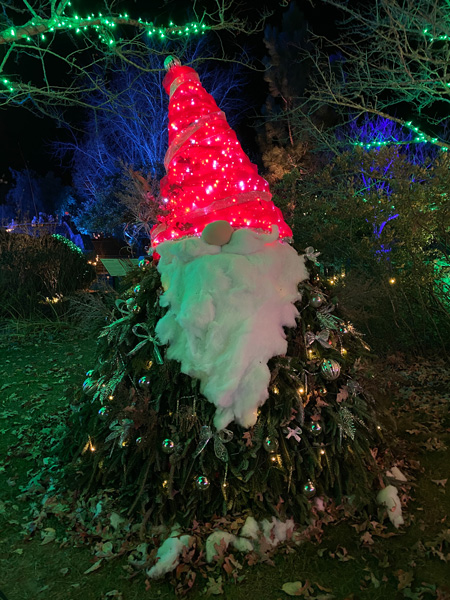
(217,233)
(330,369)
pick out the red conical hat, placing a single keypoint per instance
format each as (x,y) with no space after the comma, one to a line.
(209,176)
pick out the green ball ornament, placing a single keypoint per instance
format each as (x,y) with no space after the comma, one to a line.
(330,369)
(103,412)
(144,383)
(270,444)
(315,428)
(138,441)
(130,302)
(309,489)
(168,446)
(316,300)
(89,373)
(202,483)
(137,289)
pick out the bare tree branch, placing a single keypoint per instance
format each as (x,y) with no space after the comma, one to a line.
(392,59)
(92,44)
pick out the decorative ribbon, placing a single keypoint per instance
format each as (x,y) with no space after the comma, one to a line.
(183,137)
(146,338)
(322,338)
(220,204)
(123,307)
(311,255)
(220,439)
(183,78)
(328,320)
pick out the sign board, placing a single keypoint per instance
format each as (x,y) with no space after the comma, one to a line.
(118,267)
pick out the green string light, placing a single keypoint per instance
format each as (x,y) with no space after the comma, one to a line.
(82,24)
(76,22)
(420,138)
(68,243)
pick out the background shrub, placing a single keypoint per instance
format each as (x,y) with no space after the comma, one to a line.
(383,222)
(36,270)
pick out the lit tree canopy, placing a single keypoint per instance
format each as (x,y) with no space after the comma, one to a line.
(63,54)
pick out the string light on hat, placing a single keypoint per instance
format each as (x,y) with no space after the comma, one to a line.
(209,176)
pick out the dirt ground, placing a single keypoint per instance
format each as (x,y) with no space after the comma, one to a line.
(347,559)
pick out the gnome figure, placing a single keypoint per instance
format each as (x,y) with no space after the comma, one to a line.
(230,278)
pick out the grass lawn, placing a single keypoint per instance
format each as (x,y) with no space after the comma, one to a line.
(346,560)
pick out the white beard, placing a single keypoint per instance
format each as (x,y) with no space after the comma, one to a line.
(227,309)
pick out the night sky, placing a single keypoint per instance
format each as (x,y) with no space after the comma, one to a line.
(26,138)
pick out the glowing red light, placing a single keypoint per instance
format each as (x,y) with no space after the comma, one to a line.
(209,176)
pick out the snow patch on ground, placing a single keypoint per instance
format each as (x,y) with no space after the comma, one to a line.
(396,474)
(273,532)
(168,555)
(389,497)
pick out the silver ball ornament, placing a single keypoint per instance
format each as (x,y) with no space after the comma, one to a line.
(202,483)
(315,428)
(316,301)
(309,489)
(168,446)
(144,383)
(144,262)
(270,444)
(103,412)
(330,369)
(89,386)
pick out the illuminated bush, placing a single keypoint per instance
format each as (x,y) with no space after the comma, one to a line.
(384,220)
(38,271)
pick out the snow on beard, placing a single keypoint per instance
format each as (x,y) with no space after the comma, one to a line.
(227,309)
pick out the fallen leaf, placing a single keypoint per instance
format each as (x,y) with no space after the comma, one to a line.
(441,482)
(214,587)
(48,535)
(405,578)
(116,520)
(367,538)
(295,588)
(94,567)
